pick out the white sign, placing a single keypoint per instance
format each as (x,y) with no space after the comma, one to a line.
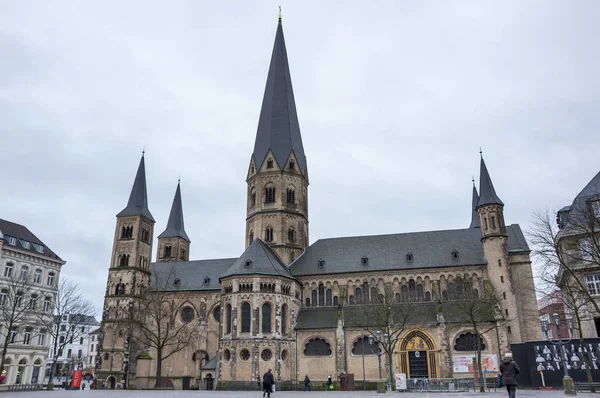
(464,363)
(400,381)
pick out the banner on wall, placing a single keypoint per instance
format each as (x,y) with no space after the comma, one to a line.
(464,363)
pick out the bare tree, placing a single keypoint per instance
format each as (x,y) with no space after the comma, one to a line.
(157,322)
(71,311)
(18,301)
(384,315)
(479,310)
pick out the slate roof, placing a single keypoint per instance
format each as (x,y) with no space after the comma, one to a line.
(259,259)
(474,217)
(138,199)
(592,189)
(175,227)
(425,314)
(576,213)
(278,127)
(211,365)
(487,193)
(23,235)
(191,274)
(389,252)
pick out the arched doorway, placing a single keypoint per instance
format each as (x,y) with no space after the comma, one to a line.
(417,355)
(111,382)
(21,377)
(209,382)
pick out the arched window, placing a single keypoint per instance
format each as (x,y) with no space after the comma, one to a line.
(404,293)
(269,163)
(269,234)
(321,295)
(412,291)
(251,237)
(168,251)
(246,318)
(352,300)
(336,300)
(427,296)
(445,295)
(270,194)
(124,260)
(253,197)
(328,297)
(361,346)
(284,319)
(291,235)
(420,292)
(291,196)
(317,347)
(313,297)
(374,295)
(292,165)
(266,318)
(468,342)
(307,302)
(397,297)
(358,295)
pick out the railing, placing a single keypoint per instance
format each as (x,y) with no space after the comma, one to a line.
(24,387)
(427,384)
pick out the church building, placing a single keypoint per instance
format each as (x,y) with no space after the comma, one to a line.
(279,305)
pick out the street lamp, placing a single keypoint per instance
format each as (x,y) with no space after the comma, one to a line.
(379,338)
(568,386)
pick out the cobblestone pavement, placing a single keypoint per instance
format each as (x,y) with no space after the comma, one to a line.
(283,394)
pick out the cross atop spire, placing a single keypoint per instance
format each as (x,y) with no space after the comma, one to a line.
(138,199)
(175,227)
(278,127)
(487,193)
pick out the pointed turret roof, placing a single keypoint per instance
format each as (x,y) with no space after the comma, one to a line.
(474,216)
(258,258)
(175,227)
(487,194)
(278,128)
(138,199)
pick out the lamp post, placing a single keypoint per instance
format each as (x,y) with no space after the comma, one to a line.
(567,380)
(382,339)
(372,339)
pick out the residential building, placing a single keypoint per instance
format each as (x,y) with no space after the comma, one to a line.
(29,273)
(548,306)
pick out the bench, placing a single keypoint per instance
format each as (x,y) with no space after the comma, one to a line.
(584,385)
(489,384)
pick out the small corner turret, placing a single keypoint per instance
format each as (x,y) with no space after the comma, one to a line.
(489,206)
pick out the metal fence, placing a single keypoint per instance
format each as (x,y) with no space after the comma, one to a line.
(24,387)
(427,384)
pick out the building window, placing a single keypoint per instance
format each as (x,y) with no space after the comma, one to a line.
(3,296)
(37,277)
(12,337)
(251,237)
(409,258)
(226,355)
(126,232)
(292,165)
(8,270)
(182,254)
(284,319)
(269,234)
(253,197)
(493,222)
(509,330)
(50,280)
(485,222)
(24,273)
(69,353)
(420,295)
(245,354)
(501,278)
(228,319)
(362,347)
(586,248)
(81,340)
(18,299)
(455,254)
(270,195)
(506,311)
(328,297)
(33,302)
(47,303)
(365,261)
(27,336)
(504,295)
(168,250)
(269,163)
(291,196)
(593,282)
(266,354)
(124,260)
(266,318)
(246,318)
(42,337)
(291,235)
(145,235)
(468,342)
(187,314)
(317,347)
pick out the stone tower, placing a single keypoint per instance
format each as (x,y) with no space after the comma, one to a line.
(495,247)
(174,243)
(128,275)
(277,205)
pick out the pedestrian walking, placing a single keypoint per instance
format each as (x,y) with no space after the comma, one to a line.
(509,371)
(307,383)
(329,384)
(268,383)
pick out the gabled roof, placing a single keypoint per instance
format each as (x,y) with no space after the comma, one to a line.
(175,227)
(278,127)
(487,193)
(192,275)
(258,259)
(430,249)
(474,215)
(592,189)
(24,240)
(138,199)
(211,365)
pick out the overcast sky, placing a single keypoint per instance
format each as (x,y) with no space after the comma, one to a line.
(394,100)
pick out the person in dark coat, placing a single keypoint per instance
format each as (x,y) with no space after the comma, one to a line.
(329,382)
(509,371)
(307,383)
(268,382)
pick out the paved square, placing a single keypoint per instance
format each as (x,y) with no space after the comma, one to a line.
(255,394)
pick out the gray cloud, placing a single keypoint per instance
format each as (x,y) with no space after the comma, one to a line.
(394,101)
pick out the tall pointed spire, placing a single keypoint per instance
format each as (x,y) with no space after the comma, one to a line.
(474,217)
(138,199)
(175,227)
(487,193)
(278,128)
